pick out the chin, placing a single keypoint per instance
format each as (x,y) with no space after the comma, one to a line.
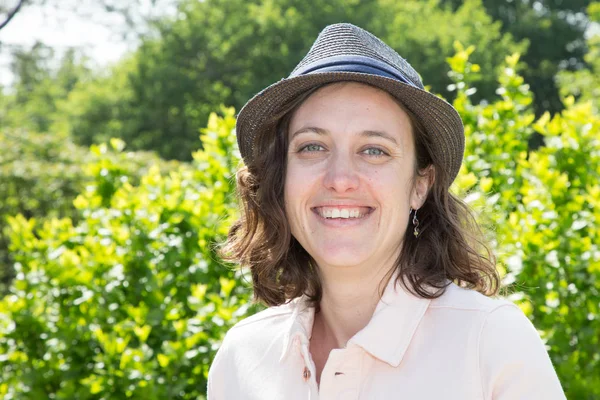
(341,257)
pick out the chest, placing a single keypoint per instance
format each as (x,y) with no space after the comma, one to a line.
(353,374)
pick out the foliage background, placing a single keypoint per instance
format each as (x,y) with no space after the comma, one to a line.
(111,287)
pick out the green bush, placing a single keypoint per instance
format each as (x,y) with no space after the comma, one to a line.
(41,174)
(133,302)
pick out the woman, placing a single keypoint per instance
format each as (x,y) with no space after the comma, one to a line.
(373,271)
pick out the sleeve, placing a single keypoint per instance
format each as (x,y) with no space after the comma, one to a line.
(513,361)
(216,375)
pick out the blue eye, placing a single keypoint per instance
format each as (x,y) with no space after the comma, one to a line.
(311,147)
(374,151)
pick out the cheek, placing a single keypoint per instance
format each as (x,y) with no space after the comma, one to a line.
(295,188)
(383,179)
(298,181)
(301,185)
(290,187)
(392,187)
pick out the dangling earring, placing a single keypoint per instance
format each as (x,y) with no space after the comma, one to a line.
(415,223)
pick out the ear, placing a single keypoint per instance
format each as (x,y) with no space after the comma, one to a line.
(423,182)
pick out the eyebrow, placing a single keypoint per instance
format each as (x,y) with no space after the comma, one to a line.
(367,133)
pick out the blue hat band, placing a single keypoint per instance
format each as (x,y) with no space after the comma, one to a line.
(360,64)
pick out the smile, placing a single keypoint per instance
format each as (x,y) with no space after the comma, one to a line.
(342,212)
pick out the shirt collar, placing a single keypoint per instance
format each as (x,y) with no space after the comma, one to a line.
(394,323)
(386,336)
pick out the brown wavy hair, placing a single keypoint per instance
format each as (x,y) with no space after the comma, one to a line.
(450,247)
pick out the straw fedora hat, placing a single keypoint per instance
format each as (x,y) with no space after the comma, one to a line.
(344,52)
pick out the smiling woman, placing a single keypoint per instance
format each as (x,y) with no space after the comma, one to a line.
(379,282)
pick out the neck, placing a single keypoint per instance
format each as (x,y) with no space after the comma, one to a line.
(348,302)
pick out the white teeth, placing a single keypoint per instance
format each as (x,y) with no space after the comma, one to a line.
(337,213)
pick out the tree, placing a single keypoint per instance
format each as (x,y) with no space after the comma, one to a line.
(8,11)
(33,100)
(225,51)
(585,83)
(555,32)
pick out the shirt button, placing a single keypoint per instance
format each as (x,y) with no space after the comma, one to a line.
(306,374)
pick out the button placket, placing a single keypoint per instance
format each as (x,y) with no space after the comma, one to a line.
(340,378)
(308,372)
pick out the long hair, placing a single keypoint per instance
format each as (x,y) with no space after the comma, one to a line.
(450,247)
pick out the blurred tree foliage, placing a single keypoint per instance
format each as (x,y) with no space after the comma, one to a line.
(32,103)
(554,30)
(218,51)
(224,51)
(131,301)
(584,84)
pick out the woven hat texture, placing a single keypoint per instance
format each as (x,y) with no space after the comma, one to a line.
(344,52)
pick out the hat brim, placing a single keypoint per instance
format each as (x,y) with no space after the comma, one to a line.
(440,120)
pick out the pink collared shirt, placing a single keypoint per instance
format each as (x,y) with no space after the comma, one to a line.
(460,346)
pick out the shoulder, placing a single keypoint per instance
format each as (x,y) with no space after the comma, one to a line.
(496,322)
(266,316)
(473,314)
(272,319)
(458,298)
(253,342)
(499,319)
(514,362)
(512,359)
(254,337)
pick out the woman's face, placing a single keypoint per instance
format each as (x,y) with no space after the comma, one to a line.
(349,179)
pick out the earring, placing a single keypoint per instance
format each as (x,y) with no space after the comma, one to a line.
(415,223)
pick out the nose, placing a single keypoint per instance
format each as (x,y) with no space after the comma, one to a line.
(341,175)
